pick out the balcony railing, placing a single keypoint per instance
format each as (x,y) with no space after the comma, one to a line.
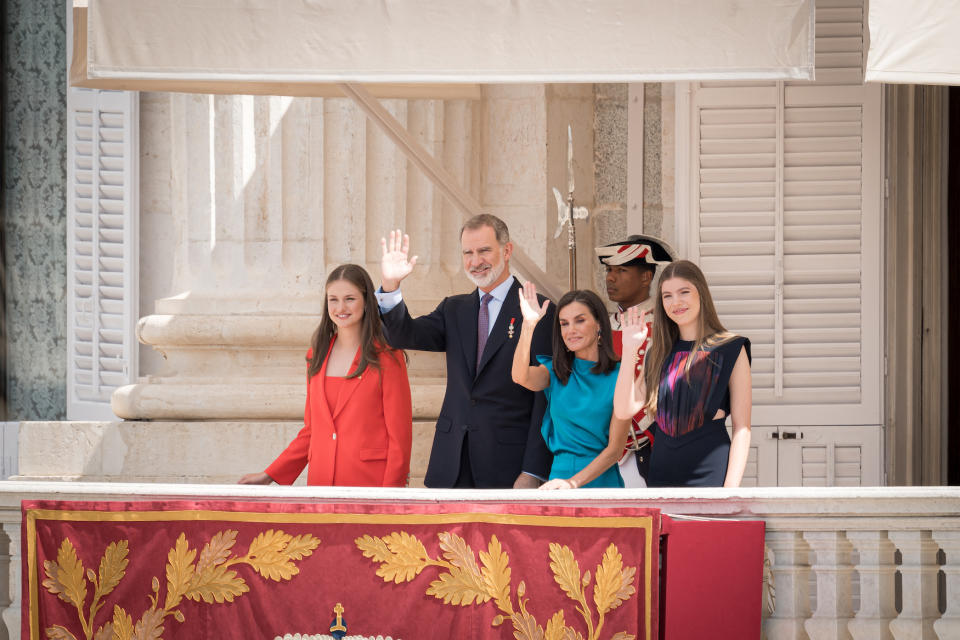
(873,562)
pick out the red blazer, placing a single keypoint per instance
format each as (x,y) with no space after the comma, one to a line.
(365,441)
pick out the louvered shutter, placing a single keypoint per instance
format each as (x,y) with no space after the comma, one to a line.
(830,456)
(102,211)
(785,221)
(761,468)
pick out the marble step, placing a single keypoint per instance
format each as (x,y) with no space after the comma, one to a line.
(188,399)
(181,452)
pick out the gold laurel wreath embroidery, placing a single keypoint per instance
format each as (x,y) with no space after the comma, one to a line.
(402,557)
(272,554)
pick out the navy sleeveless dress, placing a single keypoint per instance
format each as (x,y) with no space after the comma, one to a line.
(690,447)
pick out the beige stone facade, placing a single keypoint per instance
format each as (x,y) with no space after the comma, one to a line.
(248,202)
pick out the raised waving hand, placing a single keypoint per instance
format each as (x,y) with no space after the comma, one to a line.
(535,378)
(395,264)
(530,308)
(635,330)
(630,392)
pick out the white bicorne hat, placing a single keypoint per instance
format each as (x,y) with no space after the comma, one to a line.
(636,250)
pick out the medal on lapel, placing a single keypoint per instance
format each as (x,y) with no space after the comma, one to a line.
(510,328)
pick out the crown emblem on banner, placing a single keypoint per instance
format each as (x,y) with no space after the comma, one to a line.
(323,636)
(338,630)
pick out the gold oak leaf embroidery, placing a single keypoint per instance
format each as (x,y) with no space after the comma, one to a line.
(212,581)
(56,632)
(122,623)
(402,557)
(496,574)
(272,554)
(614,583)
(463,584)
(113,566)
(300,547)
(179,571)
(217,550)
(525,626)
(104,633)
(65,576)
(150,625)
(216,584)
(555,627)
(566,571)
(266,555)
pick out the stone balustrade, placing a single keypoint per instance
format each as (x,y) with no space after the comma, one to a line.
(871,562)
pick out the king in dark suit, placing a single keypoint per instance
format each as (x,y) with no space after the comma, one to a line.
(488,433)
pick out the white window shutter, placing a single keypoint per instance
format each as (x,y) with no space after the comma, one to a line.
(102,256)
(830,456)
(761,468)
(784,196)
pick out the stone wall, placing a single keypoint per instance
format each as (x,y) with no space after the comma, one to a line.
(248,202)
(612,171)
(34,206)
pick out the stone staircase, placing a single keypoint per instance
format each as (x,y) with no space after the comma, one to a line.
(428,378)
(208,450)
(199,451)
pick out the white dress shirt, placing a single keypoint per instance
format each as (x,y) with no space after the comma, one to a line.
(388,300)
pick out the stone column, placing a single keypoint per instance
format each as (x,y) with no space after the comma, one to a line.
(248,201)
(769,589)
(791,575)
(948,626)
(919,582)
(261,197)
(834,572)
(876,569)
(11,615)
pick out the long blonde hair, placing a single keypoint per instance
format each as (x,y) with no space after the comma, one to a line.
(710,331)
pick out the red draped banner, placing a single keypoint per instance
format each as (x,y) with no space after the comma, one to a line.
(224,569)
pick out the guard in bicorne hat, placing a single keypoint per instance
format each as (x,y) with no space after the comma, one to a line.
(631,272)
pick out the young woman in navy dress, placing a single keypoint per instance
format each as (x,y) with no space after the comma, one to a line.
(695,375)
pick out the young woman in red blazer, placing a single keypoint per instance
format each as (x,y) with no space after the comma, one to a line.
(358,420)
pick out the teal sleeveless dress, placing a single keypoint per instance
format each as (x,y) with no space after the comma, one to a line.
(576,424)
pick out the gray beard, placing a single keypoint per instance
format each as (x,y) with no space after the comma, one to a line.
(490,278)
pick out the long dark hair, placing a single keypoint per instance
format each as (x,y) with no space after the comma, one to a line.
(710,331)
(372,342)
(563,358)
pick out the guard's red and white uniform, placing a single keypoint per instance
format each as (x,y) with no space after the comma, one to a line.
(636,250)
(639,434)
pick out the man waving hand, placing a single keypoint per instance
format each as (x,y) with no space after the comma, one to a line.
(488,432)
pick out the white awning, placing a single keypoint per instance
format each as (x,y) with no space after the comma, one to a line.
(914,42)
(298,42)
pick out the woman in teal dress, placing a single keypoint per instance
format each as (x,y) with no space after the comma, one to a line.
(579,427)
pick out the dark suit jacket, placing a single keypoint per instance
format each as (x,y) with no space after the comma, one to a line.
(503,419)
